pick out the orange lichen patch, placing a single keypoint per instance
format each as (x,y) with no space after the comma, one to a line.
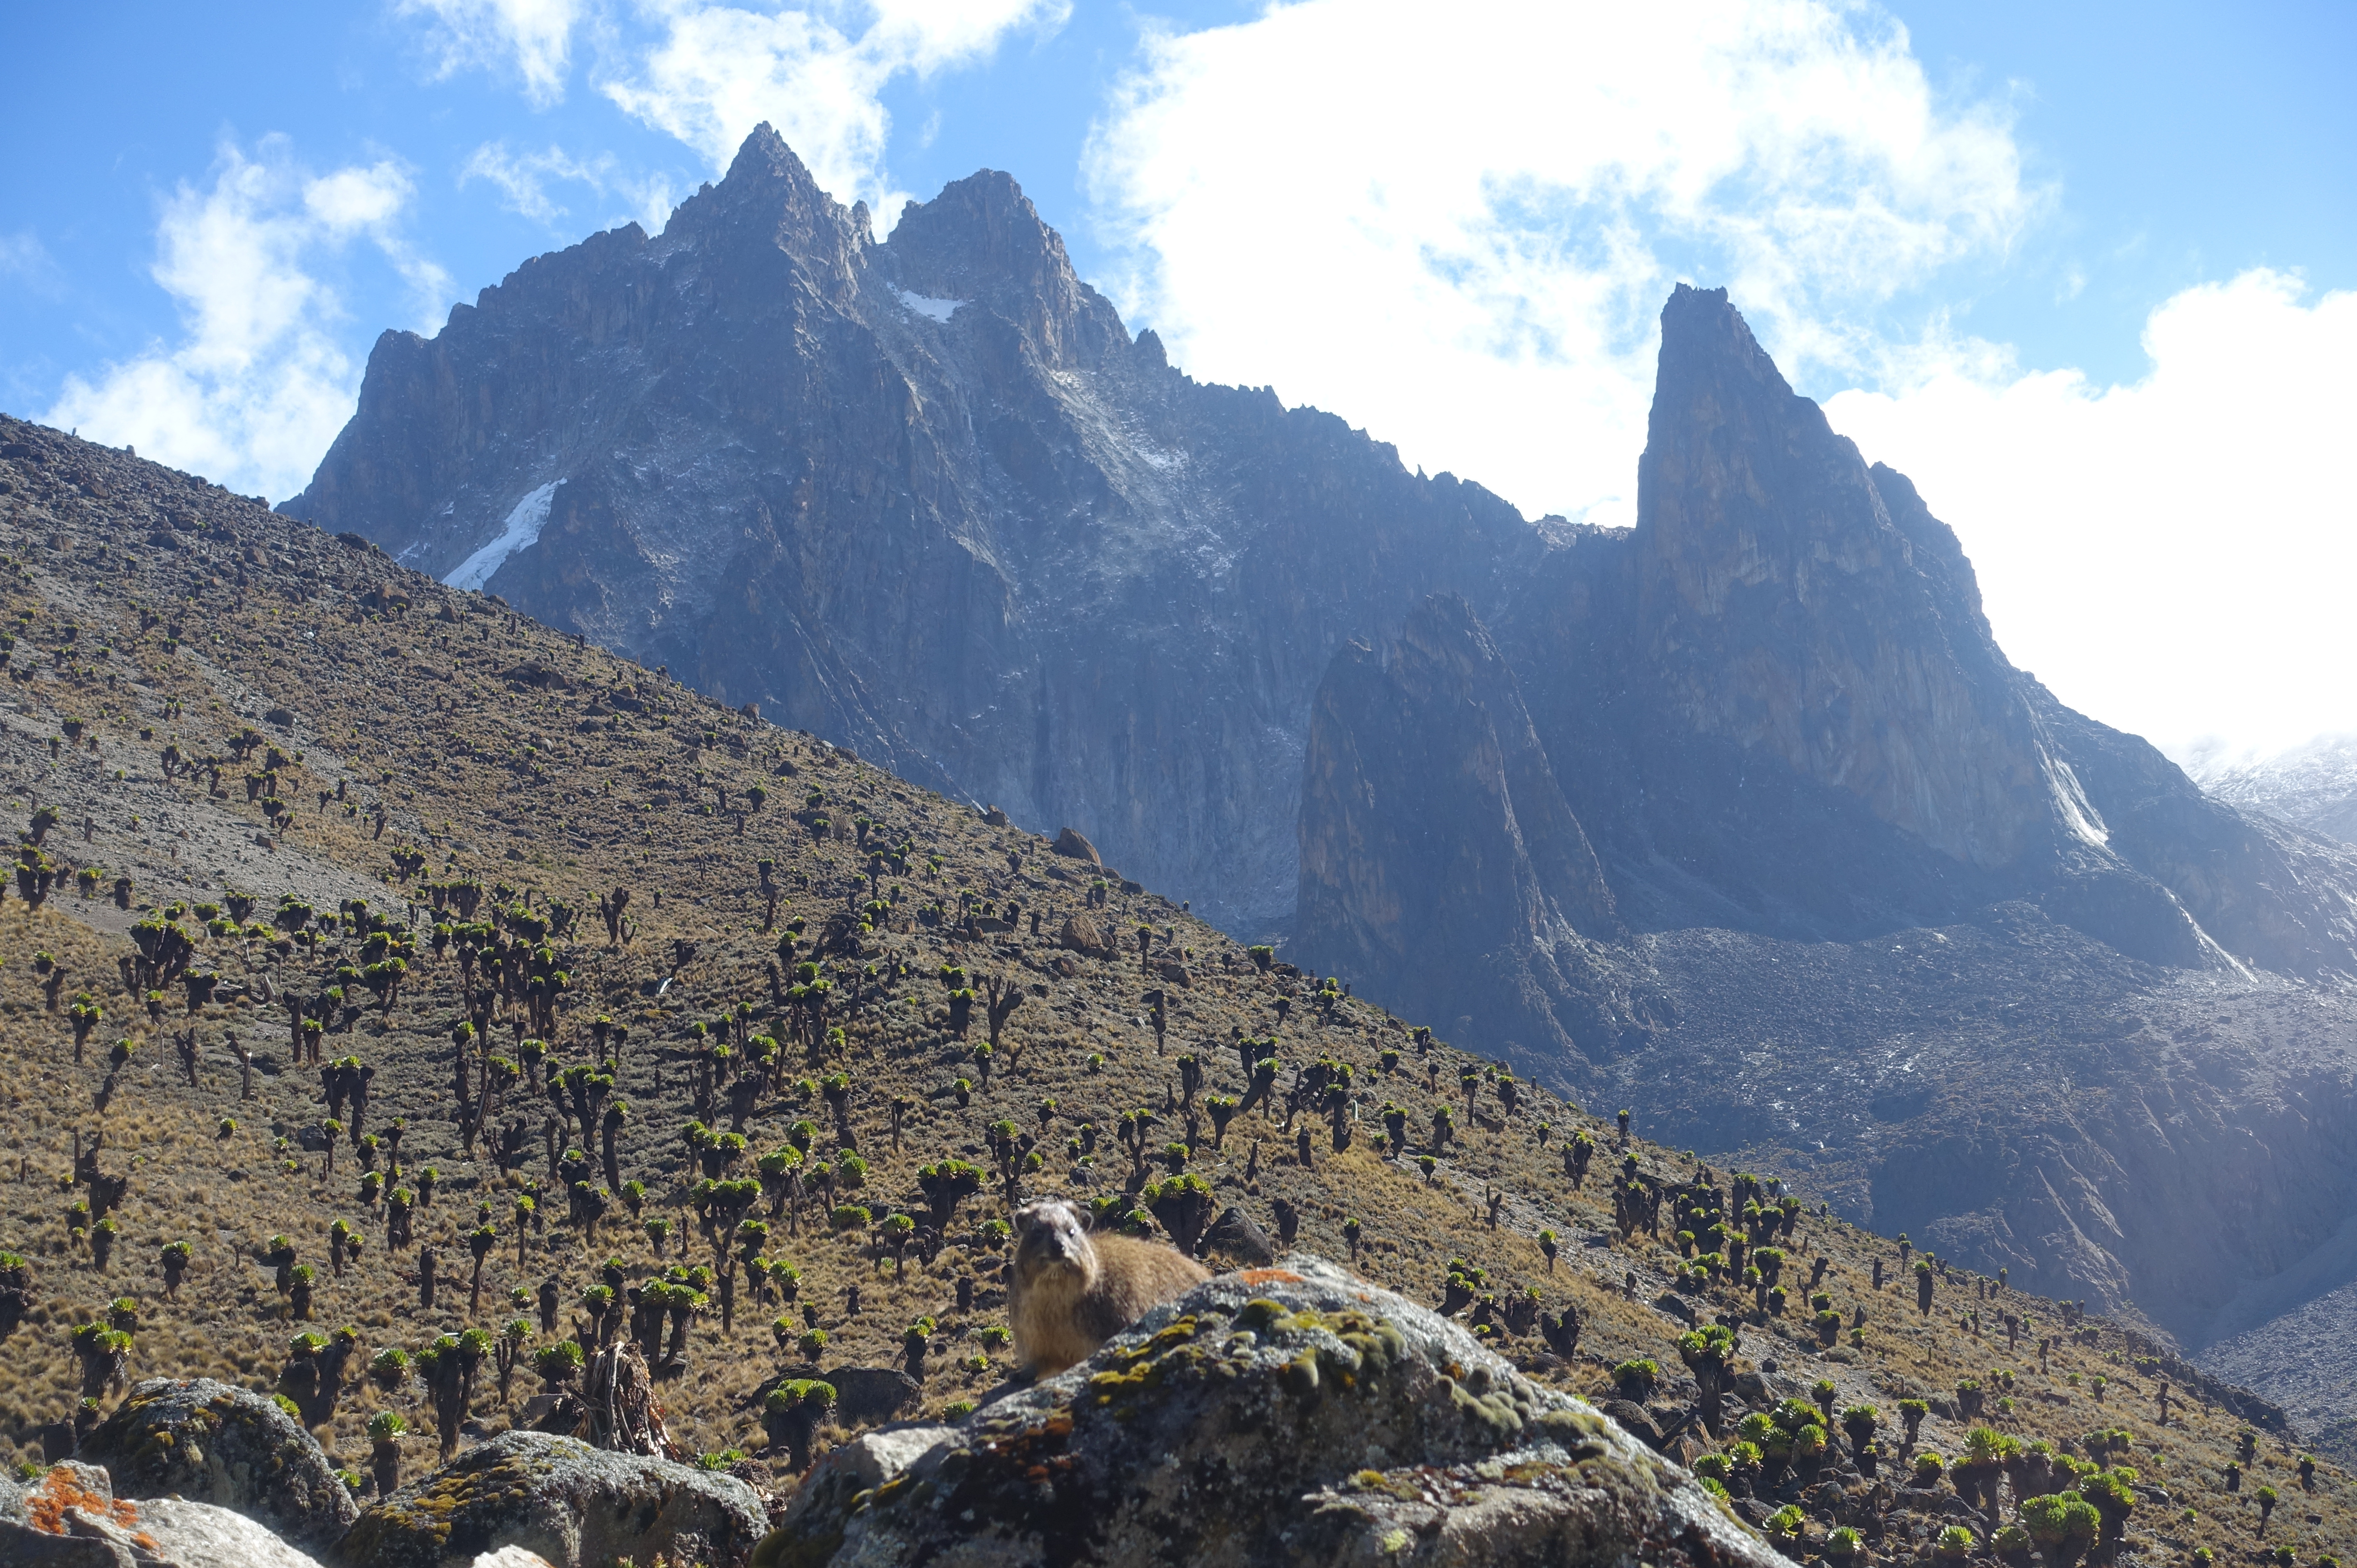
(1268,1276)
(45,1510)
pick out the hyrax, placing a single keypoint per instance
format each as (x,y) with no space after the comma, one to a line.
(1072,1291)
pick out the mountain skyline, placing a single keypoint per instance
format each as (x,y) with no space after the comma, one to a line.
(2101,327)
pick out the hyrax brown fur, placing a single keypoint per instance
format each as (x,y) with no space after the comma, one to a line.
(1072,1291)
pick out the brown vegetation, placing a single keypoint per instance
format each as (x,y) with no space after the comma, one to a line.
(623,1028)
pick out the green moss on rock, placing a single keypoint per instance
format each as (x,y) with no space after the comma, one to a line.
(573,1504)
(209,1443)
(1320,1421)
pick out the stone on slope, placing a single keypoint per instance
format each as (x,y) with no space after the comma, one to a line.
(1294,1415)
(209,1443)
(1233,1235)
(71,1516)
(576,1506)
(866,1395)
(64,1519)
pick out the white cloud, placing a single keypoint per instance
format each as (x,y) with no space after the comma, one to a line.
(525,179)
(534,36)
(816,74)
(258,384)
(2173,556)
(706,74)
(1460,235)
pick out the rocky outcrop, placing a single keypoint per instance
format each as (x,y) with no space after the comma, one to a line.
(209,1443)
(70,1517)
(575,1506)
(866,1395)
(1294,1415)
(927,498)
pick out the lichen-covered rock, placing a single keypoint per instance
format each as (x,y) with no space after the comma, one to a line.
(576,1506)
(209,1443)
(71,1516)
(68,1518)
(200,1535)
(1294,1415)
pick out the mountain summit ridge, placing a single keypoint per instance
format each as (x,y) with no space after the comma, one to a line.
(927,498)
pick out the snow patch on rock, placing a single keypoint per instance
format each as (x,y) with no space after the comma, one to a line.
(925,305)
(522,528)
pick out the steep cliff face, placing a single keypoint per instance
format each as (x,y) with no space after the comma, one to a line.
(925,498)
(1784,611)
(1439,852)
(1985,969)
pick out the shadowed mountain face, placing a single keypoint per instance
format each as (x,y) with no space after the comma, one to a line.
(1774,706)
(1740,817)
(1872,902)
(928,499)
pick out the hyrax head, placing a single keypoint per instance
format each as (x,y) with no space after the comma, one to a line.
(1050,1234)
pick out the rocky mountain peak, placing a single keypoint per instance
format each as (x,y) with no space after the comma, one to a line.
(924,499)
(1790,614)
(769,198)
(981,239)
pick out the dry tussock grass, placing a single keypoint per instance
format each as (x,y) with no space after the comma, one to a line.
(510,755)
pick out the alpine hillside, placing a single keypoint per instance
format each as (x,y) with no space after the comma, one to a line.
(1740,813)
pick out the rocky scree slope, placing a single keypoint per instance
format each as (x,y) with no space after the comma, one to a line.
(2313,787)
(928,498)
(500,780)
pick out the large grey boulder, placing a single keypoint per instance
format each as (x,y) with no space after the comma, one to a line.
(1295,1415)
(71,1518)
(209,1443)
(576,1506)
(198,1535)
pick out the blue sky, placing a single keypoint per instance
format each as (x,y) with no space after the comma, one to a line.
(2082,271)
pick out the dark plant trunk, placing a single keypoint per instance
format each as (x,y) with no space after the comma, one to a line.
(384,1460)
